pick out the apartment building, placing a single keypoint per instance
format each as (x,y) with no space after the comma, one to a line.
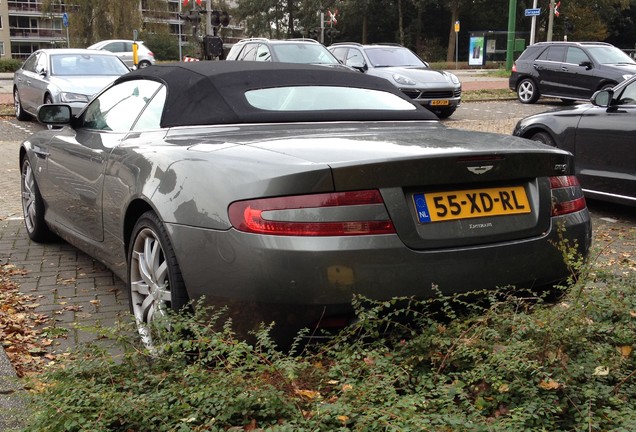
(25,25)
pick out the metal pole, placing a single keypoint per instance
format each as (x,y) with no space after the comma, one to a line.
(322,27)
(180,55)
(534,24)
(512,20)
(550,20)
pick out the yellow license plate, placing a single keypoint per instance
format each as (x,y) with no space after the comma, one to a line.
(439,102)
(472,203)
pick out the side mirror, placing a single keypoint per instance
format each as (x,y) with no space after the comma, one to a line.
(359,65)
(602,98)
(55,114)
(586,64)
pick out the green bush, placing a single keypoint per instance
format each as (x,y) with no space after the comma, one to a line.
(10,65)
(503,361)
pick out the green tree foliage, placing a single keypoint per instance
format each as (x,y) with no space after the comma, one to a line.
(93,20)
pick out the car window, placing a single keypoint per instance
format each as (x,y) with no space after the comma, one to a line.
(628,95)
(576,56)
(340,53)
(29,64)
(553,53)
(114,47)
(355,56)
(392,56)
(320,98)
(248,53)
(41,65)
(150,118)
(118,107)
(262,53)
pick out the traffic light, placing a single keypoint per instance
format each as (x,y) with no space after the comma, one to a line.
(219,18)
(314,33)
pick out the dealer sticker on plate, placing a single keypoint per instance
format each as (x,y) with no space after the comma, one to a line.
(472,203)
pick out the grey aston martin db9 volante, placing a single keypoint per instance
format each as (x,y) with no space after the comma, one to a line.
(281,190)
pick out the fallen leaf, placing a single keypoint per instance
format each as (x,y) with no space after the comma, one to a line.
(549,384)
(601,371)
(625,350)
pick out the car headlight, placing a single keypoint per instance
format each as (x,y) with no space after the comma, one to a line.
(68,97)
(453,78)
(401,79)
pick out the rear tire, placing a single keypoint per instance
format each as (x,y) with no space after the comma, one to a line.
(33,206)
(20,113)
(527,91)
(143,64)
(155,282)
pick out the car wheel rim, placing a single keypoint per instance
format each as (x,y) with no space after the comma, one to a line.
(526,90)
(149,282)
(16,103)
(28,197)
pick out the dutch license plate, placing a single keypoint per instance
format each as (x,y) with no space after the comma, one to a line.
(439,102)
(472,203)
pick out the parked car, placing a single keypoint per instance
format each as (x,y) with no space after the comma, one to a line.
(307,51)
(62,75)
(601,137)
(281,190)
(438,91)
(124,49)
(568,70)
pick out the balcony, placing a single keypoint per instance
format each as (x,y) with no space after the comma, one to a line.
(36,33)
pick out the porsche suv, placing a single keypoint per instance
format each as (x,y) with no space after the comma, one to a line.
(438,91)
(568,70)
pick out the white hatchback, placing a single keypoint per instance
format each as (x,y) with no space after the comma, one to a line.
(123,48)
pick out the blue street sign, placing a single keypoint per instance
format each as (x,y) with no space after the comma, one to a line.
(65,19)
(533,12)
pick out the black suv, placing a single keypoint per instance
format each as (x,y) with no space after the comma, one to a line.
(439,91)
(568,70)
(307,51)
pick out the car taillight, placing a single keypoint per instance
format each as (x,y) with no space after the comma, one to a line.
(567,195)
(330,214)
(514,67)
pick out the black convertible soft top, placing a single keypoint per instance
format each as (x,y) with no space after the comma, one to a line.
(213,92)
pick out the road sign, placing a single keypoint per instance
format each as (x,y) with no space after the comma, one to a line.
(533,12)
(456,26)
(65,19)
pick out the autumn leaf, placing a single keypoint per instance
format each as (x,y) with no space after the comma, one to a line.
(549,384)
(625,350)
(307,394)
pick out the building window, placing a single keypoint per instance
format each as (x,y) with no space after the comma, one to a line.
(1,49)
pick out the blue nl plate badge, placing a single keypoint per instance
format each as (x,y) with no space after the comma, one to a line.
(423,215)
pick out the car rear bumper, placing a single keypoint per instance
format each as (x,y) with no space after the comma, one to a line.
(232,266)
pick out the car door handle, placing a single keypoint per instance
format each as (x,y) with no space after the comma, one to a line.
(564,69)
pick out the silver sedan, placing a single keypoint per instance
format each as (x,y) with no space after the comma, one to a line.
(69,76)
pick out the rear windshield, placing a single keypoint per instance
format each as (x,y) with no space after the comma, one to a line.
(321,98)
